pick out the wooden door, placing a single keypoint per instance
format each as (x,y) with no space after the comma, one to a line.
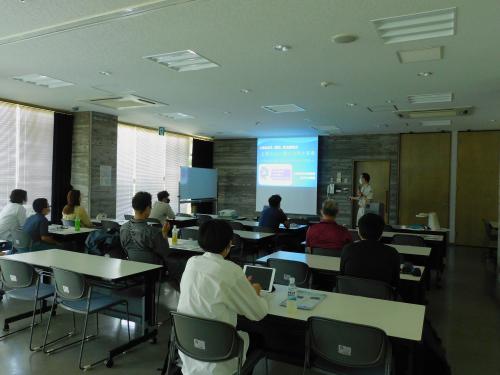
(424,177)
(477,185)
(380,174)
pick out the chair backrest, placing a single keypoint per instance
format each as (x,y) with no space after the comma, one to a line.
(408,239)
(364,287)
(189,234)
(21,240)
(327,252)
(236,225)
(205,339)
(69,285)
(128,217)
(203,218)
(68,223)
(16,274)
(289,268)
(345,344)
(108,224)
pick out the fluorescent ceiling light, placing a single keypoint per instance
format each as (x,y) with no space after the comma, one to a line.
(446,97)
(182,61)
(43,81)
(382,108)
(417,55)
(283,108)
(434,113)
(436,123)
(426,25)
(176,116)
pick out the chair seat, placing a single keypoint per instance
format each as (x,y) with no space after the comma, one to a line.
(329,368)
(98,302)
(251,361)
(28,294)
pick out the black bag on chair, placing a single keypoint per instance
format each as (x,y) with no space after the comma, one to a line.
(105,242)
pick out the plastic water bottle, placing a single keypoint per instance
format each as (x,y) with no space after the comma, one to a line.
(291,302)
(77,224)
(175,235)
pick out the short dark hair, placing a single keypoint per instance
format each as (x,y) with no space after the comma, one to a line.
(366,176)
(274,200)
(215,235)
(141,201)
(18,196)
(371,226)
(330,208)
(39,204)
(162,195)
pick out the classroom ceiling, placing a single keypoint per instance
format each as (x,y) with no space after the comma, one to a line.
(76,41)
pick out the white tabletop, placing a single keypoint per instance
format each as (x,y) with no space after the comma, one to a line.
(325,263)
(412,250)
(407,227)
(247,235)
(254,224)
(396,319)
(427,237)
(187,245)
(68,231)
(183,218)
(86,264)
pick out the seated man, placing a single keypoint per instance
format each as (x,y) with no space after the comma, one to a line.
(369,258)
(272,216)
(328,234)
(143,242)
(215,288)
(161,209)
(37,226)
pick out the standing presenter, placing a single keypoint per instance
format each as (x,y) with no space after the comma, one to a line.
(363,196)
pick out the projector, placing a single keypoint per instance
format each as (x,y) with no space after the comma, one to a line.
(228,213)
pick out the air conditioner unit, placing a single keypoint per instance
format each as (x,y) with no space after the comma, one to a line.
(126,102)
(433,113)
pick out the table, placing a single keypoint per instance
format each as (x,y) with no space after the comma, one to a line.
(247,235)
(324,263)
(186,245)
(60,230)
(183,221)
(106,269)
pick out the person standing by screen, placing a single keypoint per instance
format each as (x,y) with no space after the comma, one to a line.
(364,195)
(271,217)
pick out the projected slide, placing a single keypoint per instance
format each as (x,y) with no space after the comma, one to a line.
(288,167)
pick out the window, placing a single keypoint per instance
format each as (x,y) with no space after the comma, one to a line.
(149,162)
(26,138)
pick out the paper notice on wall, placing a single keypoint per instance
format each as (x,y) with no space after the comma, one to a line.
(105,175)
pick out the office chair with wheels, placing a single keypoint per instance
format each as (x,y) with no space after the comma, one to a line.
(290,268)
(21,241)
(189,234)
(365,287)
(208,340)
(408,239)
(336,347)
(74,294)
(23,284)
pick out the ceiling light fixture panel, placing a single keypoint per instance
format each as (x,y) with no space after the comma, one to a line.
(283,108)
(176,116)
(426,25)
(419,55)
(43,81)
(445,97)
(183,61)
(436,123)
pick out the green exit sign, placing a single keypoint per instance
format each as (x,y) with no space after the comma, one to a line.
(161,130)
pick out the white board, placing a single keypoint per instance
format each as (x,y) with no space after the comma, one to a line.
(198,183)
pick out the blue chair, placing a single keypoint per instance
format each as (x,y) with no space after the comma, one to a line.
(73,293)
(23,284)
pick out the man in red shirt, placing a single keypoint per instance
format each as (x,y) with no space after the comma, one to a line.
(328,234)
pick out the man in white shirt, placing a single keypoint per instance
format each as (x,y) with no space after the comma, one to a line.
(364,196)
(13,215)
(214,288)
(161,209)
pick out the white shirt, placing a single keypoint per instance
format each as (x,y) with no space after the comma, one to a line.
(162,211)
(214,288)
(12,216)
(366,195)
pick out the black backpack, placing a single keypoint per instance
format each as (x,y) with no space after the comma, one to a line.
(105,243)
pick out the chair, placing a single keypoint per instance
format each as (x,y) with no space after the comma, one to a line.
(24,285)
(326,252)
(68,223)
(128,217)
(207,340)
(203,218)
(73,293)
(236,225)
(109,224)
(290,268)
(21,241)
(334,347)
(364,287)
(236,253)
(189,234)
(408,239)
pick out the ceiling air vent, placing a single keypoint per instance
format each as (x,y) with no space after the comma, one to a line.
(434,113)
(283,108)
(126,102)
(444,97)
